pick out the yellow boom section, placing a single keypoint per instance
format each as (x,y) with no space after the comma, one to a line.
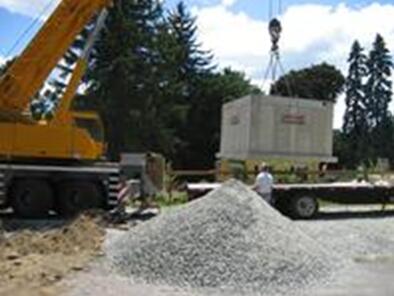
(27,74)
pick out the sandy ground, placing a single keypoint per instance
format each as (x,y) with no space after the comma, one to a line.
(34,260)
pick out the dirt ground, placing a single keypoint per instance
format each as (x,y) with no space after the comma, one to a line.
(33,261)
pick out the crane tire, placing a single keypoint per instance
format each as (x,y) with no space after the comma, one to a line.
(32,198)
(74,197)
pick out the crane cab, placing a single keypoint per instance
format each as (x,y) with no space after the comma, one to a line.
(81,138)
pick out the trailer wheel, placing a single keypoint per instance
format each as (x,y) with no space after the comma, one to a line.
(75,197)
(32,198)
(304,207)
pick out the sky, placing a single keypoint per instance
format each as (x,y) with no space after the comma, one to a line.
(236,31)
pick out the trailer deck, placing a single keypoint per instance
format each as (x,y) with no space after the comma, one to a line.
(301,200)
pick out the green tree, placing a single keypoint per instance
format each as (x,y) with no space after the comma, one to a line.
(234,85)
(204,118)
(187,53)
(322,82)
(156,88)
(126,81)
(188,66)
(355,127)
(341,149)
(198,92)
(378,93)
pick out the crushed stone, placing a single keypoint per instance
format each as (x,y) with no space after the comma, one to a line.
(229,240)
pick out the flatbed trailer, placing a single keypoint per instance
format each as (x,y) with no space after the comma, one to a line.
(35,190)
(300,201)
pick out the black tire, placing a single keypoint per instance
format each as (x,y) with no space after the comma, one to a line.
(75,196)
(32,198)
(304,207)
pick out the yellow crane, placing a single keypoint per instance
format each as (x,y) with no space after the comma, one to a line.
(53,166)
(22,137)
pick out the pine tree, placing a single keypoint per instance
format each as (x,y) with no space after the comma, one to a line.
(378,93)
(187,65)
(155,87)
(355,126)
(186,61)
(190,58)
(125,78)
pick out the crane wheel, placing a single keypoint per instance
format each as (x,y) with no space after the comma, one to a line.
(74,197)
(32,198)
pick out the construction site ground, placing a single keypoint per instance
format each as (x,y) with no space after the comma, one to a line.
(35,255)
(54,257)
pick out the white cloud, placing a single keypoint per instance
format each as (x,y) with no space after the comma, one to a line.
(228,3)
(231,34)
(333,29)
(312,33)
(30,8)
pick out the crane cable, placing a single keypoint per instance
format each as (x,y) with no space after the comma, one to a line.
(275,30)
(35,21)
(272,8)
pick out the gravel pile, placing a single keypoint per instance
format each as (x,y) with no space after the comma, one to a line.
(230,239)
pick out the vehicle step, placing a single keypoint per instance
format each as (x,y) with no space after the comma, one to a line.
(114,179)
(2,184)
(113,189)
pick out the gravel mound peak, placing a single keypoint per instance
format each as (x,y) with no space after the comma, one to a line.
(231,239)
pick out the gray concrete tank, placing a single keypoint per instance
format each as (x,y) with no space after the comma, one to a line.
(260,127)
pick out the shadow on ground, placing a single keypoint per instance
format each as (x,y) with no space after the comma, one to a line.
(11,223)
(344,214)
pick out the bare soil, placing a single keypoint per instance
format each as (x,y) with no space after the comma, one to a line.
(32,262)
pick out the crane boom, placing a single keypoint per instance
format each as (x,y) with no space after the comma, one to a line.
(63,110)
(59,164)
(26,75)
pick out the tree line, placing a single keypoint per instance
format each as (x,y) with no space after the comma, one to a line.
(368,129)
(156,88)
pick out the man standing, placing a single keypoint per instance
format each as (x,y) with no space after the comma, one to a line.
(264,183)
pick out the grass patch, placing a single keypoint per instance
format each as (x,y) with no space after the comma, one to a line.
(175,199)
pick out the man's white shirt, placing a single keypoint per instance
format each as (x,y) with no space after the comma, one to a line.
(264,182)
